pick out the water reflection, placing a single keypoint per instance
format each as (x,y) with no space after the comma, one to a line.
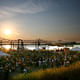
(7,47)
(32,47)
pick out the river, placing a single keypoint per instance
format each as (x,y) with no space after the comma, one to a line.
(32,47)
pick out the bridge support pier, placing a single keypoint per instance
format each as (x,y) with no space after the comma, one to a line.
(20,47)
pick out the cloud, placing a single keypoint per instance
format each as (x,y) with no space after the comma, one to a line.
(27,7)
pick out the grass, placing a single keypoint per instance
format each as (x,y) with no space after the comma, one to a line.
(61,73)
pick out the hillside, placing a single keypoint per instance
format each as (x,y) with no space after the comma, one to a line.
(62,73)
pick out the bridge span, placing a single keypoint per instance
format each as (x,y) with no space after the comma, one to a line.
(25,42)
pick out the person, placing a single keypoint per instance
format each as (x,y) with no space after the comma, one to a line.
(44,64)
(1,68)
(39,63)
(65,59)
(22,59)
(52,63)
(17,65)
(25,70)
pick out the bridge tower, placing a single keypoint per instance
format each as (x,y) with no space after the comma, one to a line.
(12,44)
(1,43)
(20,47)
(37,43)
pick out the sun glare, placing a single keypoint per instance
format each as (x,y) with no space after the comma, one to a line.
(7,47)
(7,32)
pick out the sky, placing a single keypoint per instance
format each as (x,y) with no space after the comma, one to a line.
(44,19)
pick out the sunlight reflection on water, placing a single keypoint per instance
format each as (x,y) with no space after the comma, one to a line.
(7,47)
(32,47)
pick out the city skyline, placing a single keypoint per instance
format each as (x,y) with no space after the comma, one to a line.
(44,19)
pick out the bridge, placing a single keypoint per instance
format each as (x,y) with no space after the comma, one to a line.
(35,42)
(25,42)
(21,43)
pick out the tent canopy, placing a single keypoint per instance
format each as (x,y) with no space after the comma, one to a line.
(76,49)
(3,54)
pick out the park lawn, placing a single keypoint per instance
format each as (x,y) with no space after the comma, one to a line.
(71,72)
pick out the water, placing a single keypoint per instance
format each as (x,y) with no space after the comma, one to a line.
(32,47)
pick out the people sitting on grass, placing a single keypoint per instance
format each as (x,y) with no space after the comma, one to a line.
(30,60)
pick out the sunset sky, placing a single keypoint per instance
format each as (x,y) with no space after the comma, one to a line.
(45,19)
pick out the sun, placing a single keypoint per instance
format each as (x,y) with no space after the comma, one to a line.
(7,31)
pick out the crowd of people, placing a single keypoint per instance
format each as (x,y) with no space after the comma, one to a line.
(28,61)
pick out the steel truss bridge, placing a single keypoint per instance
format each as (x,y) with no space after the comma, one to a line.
(25,42)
